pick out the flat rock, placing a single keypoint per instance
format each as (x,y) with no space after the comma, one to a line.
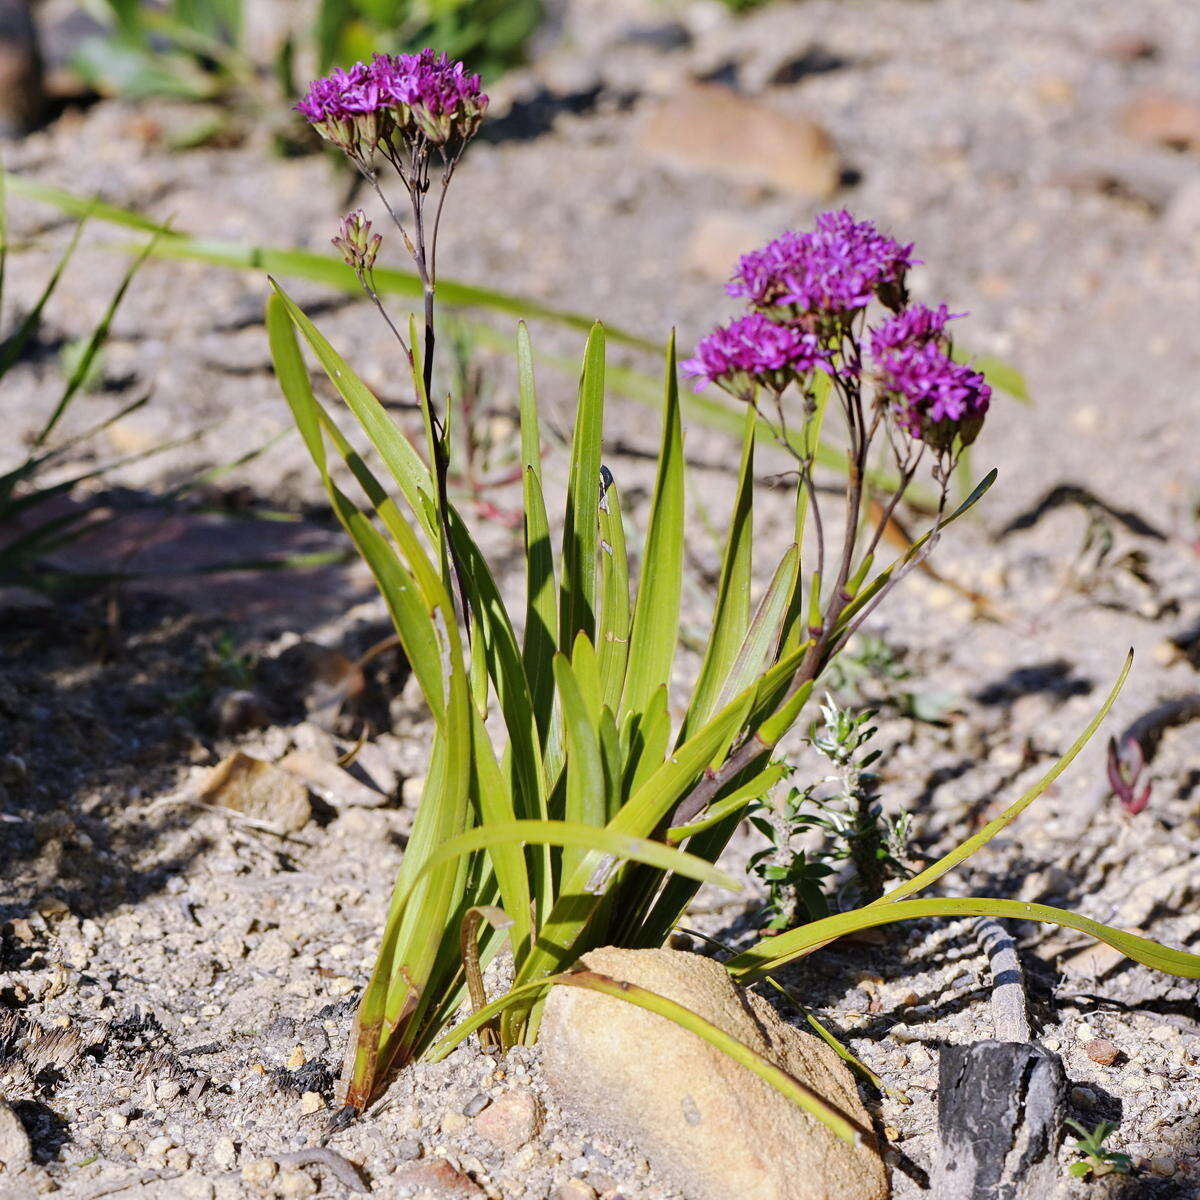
(259,790)
(707,1124)
(705,127)
(433,1179)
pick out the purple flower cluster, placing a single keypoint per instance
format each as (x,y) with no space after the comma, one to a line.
(931,396)
(827,273)
(754,350)
(426,93)
(915,324)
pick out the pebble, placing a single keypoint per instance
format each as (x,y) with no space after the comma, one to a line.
(1102,1051)
(259,1172)
(296,1059)
(311,1102)
(224,1152)
(453,1122)
(1162,1165)
(512,1120)
(476,1105)
(575,1189)
(168,1090)
(406,1149)
(1082,1097)
(295,1183)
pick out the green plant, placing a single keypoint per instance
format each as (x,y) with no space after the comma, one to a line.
(37,515)
(197,49)
(1097,1160)
(851,823)
(560,790)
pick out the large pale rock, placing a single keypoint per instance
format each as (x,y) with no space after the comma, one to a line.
(709,1125)
(704,127)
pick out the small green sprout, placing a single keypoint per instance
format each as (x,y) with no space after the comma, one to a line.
(1097,1160)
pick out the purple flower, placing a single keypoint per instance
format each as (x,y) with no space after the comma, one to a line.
(931,396)
(829,272)
(754,350)
(916,323)
(426,93)
(434,90)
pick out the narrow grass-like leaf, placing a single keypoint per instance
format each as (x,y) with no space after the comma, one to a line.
(12,347)
(737,800)
(655,630)
(948,862)
(581,529)
(774,952)
(586,794)
(731,614)
(613,644)
(541,613)
(303,264)
(401,459)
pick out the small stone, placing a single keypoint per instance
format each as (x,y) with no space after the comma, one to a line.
(118,1120)
(224,1153)
(512,1120)
(406,1149)
(168,1090)
(259,1172)
(1162,1165)
(15,1147)
(341,986)
(157,1147)
(1102,1051)
(178,1159)
(296,1059)
(575,1189)
(453,1122)
(1082,1097)
(918,1056)
(476,1105)
(295,1183)
(311,1102)
(433,1179)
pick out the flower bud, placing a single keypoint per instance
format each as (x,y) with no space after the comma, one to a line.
(359,246)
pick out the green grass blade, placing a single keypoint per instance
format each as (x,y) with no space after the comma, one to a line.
(731,615)
(541,615)
(586,800)
(647,736)
(398,454)
(756,789)
(12,347)
(581,529)
(614,592)
(98,337)
(655,630)
(949,861)
(773,952)
(328,269)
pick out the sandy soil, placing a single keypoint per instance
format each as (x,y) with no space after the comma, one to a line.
(206,971)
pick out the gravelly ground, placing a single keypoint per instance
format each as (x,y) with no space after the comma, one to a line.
(990,135)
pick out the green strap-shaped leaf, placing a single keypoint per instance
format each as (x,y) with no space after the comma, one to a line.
(541,615)
(401,459)
(613,646)
(581,529)
(772,953)
(655,630)
(586,794)
(731,615)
